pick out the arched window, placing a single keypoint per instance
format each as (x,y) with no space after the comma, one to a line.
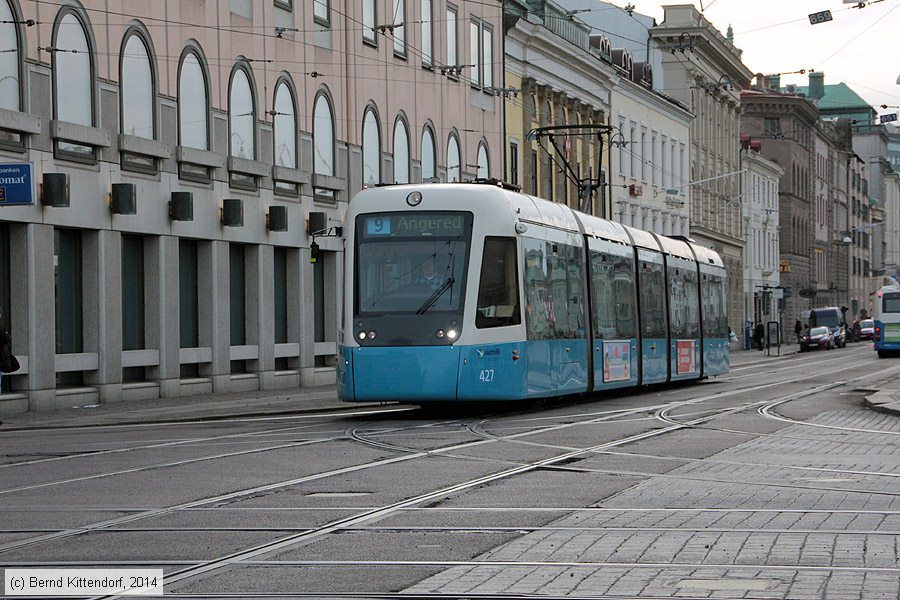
(401,151)
(193,112)
(136,84)
(454,172)
(241,115)
(285,126)
(484,163)
(371,149)
(284,134)
(429,161)
(323,142)
(193,103)
(73,78)
(10,69)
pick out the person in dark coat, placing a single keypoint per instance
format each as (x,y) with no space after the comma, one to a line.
(8,362)
(798,327)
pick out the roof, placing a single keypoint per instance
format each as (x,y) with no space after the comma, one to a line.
(837,96)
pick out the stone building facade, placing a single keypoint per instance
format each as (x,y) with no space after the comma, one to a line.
(187,153)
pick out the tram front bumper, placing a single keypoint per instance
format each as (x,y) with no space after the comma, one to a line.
(399,374)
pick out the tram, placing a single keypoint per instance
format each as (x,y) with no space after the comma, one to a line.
(476,292)
(887,321)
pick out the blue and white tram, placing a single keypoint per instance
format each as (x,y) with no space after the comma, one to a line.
(468,292)
(887,321)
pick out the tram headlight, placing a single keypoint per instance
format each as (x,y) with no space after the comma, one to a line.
(371,335)
(362,335)
(452,334)
(440,334)
(414,198)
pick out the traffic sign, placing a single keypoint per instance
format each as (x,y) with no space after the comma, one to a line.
(820,17)
(888,118)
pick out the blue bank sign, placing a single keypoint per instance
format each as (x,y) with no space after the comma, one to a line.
(16,184)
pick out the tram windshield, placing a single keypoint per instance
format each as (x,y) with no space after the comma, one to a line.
(411,263)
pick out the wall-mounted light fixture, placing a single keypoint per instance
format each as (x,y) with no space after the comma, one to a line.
(233,212)
(316,223)
(277,219)
(181,206)
(55,190)
(123,199)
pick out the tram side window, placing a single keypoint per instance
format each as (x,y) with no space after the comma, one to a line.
(684,313)
(653,308)
(715,324)
(498,289)
(612,282)
(554,296)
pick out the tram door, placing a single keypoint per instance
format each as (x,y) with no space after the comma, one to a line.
(653,321)
(684,318)
(613,314)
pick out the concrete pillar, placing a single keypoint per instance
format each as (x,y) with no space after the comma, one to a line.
(37,311)
(261,294)
(162,311)
(215,303)
(102,292)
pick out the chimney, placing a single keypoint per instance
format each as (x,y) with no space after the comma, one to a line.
(816,85)
(774,82)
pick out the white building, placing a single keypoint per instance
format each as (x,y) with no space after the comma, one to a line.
(759,210)
(649,156)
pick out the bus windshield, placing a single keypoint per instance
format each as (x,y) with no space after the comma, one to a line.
(826,317)
(411,263)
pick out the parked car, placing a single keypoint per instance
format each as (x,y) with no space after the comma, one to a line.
(816,337)
(866,329)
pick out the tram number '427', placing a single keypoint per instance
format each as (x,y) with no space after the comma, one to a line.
(487,375)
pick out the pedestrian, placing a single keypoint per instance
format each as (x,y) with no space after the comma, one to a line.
(797,329)
(8,361)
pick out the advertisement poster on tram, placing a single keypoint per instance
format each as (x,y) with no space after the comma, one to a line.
(616,361)
(686,356)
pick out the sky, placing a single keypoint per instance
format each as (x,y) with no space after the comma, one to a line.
(860,47)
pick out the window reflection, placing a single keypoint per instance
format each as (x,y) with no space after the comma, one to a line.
(428,159)
(484,165)
(453,160)
(193,104)
(9,59)
(371,149)
(285,125)
(137,89)
(242,116)
(401,152)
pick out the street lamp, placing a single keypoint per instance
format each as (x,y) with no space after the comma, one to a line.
(849,240)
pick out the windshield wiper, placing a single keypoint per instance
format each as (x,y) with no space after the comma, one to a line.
(433,298)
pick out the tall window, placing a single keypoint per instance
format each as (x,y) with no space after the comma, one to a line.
(427,34)
(484,163)
(514,163)
(285,127)
(10,68)
(429,160)
(193,103)
(280,304)
(241,115)
(452,58)
(481,44)
(369,21)
(322,11)
(398,18)
(132,292)
(401,151)
(454,172)
(137,88)
(371,149)
(73,79)
(323,141)
(188,294)
(69,297)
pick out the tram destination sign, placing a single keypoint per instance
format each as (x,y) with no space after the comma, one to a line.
(413,225)
(16,184)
